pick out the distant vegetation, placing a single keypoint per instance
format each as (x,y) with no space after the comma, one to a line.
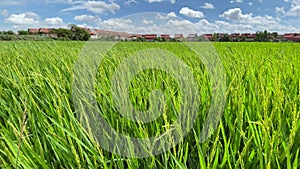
(76,33)
(84,34)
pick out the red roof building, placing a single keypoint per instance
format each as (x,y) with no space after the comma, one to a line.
(235,35)
(149,37)
(48,32)
(45,30)
(165,36)
(295,37)
(252,35)
(136,36)
(208,36)
(288,36)
(33,30)
(90,31)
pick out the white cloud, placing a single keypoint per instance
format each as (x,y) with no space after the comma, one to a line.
(260,24)
(236,1)
(294,11)
(147,21)
(236,21)
(58,1)
(249,22)
(152,1)
(265,21)
(191,13)
(161,23)
(10,2)
(4,13)
(235,14)
(151,24)
(179,24)
(170,26)
(87,18)
(97,7)
(280,10)
(208,6)
(129,2)
(56,21)
(117,24)
(295,2)
(167,16)
(27,18)
(205,26)
(171,14)
(250,3)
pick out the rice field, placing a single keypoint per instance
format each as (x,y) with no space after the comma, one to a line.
(260,126)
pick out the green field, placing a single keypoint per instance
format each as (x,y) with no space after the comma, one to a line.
(260,126)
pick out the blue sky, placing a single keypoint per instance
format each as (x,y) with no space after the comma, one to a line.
(205,16)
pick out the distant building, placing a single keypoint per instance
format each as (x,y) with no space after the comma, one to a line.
(150,37)
(179,37)
(246,36)
(33,30)
(47,32)
(209,37)
(135,37)
(165,36)
(252,35)
(288,37)
(235,35)
(192,37)
(220,35)
(112,34)
(295,37)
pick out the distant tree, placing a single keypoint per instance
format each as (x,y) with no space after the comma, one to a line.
(262,36)
(62,33)
(80,34)
(275,34)
(139,39)
(72,26)
(163,40)
(243,39)
(215,37)
(225,38)
(8,33)
(23,32)
(172,40)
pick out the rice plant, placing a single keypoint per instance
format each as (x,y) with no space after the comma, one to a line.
(259,128)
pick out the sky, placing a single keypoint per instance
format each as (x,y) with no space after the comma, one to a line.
(154,16)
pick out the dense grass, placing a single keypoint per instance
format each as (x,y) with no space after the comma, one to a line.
(259,128)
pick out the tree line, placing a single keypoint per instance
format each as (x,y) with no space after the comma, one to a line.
(75,33)
(260,36)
